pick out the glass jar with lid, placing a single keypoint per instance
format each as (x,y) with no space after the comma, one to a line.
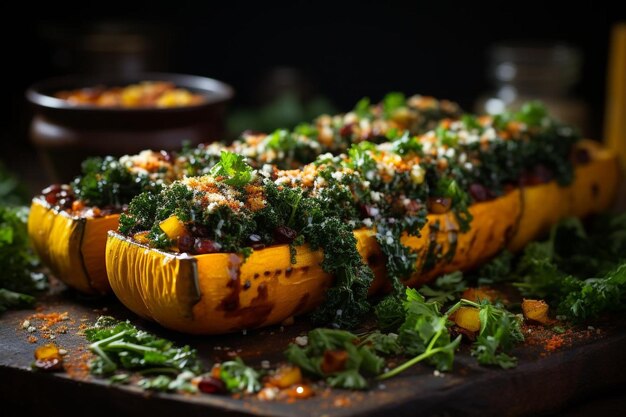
(545,72)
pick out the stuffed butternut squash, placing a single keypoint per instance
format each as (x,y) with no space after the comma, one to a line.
(204,254)
(108,184)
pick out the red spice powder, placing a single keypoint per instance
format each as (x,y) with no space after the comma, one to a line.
(76,364)
(554,343)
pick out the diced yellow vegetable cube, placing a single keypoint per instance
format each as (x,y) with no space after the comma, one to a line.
(536,310)
(467,318)
(173,227)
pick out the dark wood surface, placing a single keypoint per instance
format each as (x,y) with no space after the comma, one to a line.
(544,384)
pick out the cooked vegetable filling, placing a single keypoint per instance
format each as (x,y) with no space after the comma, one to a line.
(389,187)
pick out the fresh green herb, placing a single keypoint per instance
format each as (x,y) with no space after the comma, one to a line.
(107,182)
(499,269)
(19,279)
(449,188)
(238,377)
(446,288)
(346,301)
(12,191)
(361,357)
(582,272)
(424,333)
(406,145)
(362,108)
(392,102)
(499,332)
(234,167)
(120,345)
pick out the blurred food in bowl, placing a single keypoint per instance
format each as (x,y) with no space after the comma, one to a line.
(73,120)
(145,94)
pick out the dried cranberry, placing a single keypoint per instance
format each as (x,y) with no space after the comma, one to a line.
(346,130)
(540,174)
(479,192)
(51,198)
(439,205)
(210,385)
(582,156)
(284,234)
(185,243)
(202,246)
(257,246)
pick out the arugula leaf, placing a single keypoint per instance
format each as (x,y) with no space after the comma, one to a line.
(234,167)
(238,377)
(361,357)
(447,288)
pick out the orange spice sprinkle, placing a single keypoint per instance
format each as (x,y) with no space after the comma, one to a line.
(554,343)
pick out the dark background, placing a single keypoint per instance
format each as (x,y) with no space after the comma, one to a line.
(337,50)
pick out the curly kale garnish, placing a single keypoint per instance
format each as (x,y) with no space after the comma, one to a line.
(107,182)
(581,271)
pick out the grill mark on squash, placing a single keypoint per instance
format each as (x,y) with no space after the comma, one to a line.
(231,301)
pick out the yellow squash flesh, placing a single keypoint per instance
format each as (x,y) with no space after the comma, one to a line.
(593,190)
(72,247)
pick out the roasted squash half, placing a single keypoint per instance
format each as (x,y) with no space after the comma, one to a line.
(218,293)
(71,246)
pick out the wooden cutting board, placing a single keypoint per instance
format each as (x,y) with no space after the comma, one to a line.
(593,362)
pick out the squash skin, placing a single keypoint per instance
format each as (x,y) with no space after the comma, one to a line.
(593,190)
(216,293)
(71,246)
